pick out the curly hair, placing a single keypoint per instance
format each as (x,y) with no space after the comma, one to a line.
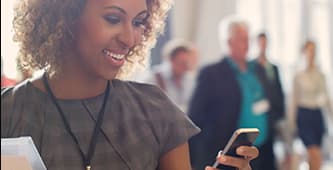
(41,29)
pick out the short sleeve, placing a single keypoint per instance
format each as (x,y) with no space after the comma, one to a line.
(172,126)
(21,113)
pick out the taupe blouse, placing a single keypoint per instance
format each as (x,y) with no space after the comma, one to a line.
(140,125)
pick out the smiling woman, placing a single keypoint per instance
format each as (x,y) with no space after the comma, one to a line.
(79,114)
(41,33)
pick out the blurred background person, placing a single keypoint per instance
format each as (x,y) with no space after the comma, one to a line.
(268,75)
(176,74)
(310,96)
(228,95)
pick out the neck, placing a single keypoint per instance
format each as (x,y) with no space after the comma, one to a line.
(74,81)
(311,66)
(177,79)
(241,63)
(262,59)
(70,87)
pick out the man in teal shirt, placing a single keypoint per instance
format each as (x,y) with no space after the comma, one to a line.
(252,96)
(229,96)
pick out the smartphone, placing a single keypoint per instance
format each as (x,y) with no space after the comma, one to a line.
(241,137)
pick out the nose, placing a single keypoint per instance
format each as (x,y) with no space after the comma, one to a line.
(127,36)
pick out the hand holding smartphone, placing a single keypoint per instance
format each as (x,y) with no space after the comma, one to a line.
(241,137)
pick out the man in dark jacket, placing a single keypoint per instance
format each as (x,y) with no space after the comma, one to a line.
(228,96)
(268,75)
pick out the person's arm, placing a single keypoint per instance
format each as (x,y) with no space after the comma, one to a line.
(176,159)
(294,102)
(328,101)
(248,153)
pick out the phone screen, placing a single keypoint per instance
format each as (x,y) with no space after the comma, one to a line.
(241,137)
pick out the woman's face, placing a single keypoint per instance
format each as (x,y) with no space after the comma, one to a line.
(105,33)
(310,51)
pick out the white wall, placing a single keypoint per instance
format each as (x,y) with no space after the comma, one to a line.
(183,19)
(8,48)
(197,20)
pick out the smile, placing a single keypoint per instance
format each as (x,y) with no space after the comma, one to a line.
(113,55)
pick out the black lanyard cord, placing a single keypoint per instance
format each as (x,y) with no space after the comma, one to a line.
(93,140)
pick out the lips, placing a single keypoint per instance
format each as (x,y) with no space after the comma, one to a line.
(115,58)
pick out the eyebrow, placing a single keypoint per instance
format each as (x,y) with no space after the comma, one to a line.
(143,12)
(123,11)
(116,8)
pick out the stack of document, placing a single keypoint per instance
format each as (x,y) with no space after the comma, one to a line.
(21,148)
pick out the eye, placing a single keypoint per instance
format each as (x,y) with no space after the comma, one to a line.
(141,20)
(112,19)
(139,23)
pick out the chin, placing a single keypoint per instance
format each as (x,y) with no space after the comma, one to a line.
(110,75)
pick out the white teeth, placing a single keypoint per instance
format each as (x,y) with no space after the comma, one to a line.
(117,56)
(113,55)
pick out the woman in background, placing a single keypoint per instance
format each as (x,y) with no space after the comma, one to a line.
(310,96)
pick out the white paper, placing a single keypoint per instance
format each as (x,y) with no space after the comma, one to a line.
(22,146)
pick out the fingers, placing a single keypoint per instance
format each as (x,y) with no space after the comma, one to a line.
(209,168)
(248,152)
(240,163)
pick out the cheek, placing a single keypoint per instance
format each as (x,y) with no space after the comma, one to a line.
(139,36)
(242,46)
(89,49)
(85,47)
(91,43)
(93,33)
